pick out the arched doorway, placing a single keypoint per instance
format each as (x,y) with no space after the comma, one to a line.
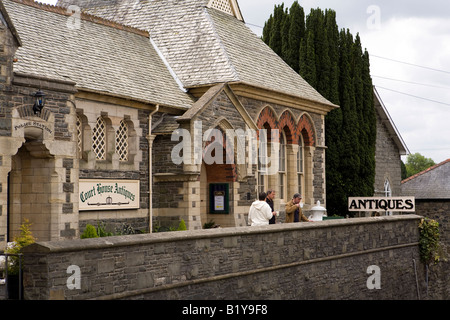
(217,180)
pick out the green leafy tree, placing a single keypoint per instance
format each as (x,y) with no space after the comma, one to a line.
(416,163)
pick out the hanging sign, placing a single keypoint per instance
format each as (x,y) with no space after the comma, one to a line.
(394,204)
(108,194)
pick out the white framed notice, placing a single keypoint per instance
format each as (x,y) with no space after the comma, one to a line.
(95,194)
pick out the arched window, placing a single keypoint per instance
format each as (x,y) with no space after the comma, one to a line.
(300,161)
(122,141)
(263,154)
(99,139)
(387,193)
(387,189)
(282,166)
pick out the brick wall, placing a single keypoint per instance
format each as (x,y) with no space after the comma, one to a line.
(324,260)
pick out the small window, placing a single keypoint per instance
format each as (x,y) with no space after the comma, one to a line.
(79,137)
(122,141)
(99,139)
(387,189)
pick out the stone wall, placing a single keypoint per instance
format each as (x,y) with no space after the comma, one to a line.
(322,260)
(388,162)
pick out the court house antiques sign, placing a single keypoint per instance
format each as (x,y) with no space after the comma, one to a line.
(108,194)
(397,204)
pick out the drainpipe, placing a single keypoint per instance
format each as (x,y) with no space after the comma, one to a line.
(150,139)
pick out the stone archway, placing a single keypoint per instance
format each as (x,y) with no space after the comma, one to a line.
(39,179)
(30,190)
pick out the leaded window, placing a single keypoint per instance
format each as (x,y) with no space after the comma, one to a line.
(79,136)
(99,139)
(122,141)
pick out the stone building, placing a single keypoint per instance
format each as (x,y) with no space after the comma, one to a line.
(126,84)
(431,189)
(389,149)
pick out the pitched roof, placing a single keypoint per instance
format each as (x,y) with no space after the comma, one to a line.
(433,183)
(99,56)
(205,46)
(6,20)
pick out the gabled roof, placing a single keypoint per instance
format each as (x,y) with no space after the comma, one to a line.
(99,56)
(389,123)
(205,46)
(6,20)
(433,183)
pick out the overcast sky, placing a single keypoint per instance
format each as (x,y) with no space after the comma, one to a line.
(414,33)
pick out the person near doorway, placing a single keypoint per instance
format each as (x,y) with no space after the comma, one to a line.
(269,200)
(260,212)
(294,211)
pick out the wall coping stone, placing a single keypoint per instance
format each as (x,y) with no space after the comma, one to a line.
(142,239)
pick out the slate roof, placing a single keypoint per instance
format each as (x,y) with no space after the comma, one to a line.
(433,183)
(206,46)
(100,56)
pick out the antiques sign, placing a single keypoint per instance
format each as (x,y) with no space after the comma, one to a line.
(108,194)
(395,204)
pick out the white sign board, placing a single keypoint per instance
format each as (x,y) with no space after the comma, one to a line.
(108,194)
(395,204)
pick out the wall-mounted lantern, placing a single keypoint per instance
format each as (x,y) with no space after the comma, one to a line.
(39,103)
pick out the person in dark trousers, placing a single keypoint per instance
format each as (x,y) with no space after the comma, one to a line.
(269,200)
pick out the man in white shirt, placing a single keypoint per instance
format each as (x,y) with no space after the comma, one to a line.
(260,212)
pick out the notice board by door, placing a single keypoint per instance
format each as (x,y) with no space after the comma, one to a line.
(219,198)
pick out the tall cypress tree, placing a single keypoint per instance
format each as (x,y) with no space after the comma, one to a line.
(308,59)
(276,39)
(296,34)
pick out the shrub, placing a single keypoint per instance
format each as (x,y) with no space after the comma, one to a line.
(89,232)
(125,229)
(24,239)
(209,225)
(429,242)
(101,230)
(182,226)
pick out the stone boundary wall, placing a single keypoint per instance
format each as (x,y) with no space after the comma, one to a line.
(320,260)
